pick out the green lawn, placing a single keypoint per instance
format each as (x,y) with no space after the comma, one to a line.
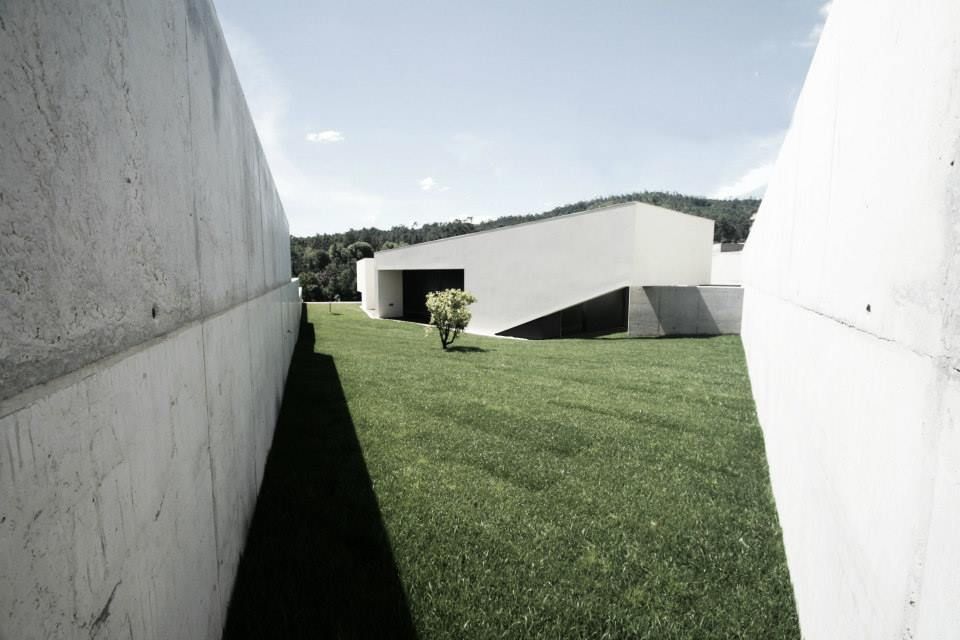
(604,488)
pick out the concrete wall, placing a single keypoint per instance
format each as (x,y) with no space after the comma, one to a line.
(367,282)
(726,267)
(852,325)
(684,311)
(146,319)
(526,271)
(389,292)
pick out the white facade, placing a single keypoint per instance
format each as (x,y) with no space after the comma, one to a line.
(522,272)
(367,282)
(727,267)
(852,326)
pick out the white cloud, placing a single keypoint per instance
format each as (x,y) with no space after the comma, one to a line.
(325,136)
(814,36)
(758,154)
(751,184)
(428,184)
(313,202)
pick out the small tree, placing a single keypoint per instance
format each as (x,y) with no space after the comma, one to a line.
(449,313)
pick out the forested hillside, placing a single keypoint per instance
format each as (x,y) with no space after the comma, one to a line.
(326,263)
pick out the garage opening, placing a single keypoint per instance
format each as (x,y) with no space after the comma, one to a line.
(597,316)
(417,283)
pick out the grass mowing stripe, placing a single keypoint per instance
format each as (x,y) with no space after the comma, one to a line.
(600,488)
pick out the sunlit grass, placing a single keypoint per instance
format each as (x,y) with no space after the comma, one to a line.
(569,488)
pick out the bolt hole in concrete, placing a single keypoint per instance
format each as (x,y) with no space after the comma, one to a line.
(153,311)
(868,308)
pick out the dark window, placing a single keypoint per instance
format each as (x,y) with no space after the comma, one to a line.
(597,316)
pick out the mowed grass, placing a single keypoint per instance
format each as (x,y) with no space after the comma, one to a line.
(596,488)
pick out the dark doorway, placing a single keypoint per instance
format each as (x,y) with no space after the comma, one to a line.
(417,283)
(597,316)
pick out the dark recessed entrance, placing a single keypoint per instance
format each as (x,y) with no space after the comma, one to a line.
(597,316)
(417,283)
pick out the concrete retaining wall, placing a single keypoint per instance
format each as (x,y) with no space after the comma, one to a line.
(852,325)
(146,319)
(684,311)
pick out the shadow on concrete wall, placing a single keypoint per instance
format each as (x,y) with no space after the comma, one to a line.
(317,562)
(675,311)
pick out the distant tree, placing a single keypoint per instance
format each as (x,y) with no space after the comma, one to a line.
(314,259)
(725,231)
(360,250)
(449,313)
(310,286)
(327,283)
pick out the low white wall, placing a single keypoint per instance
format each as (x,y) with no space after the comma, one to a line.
(147,319)
(852,325)
(525,271)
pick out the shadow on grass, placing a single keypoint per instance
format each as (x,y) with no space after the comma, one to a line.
(613,337)
(317,561)
(464,349)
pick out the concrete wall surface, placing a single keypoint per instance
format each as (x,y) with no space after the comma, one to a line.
(522,272)
(146,319)
(367,282)
(684,311)
(135,196)
(726,267)
(852,325)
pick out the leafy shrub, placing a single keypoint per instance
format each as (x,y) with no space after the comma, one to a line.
(449,313)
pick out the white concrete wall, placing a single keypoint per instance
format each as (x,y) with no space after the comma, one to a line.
(726,267)
(367,283)
(671,248)
(147,319)
(525,271)
(389,291)
(852,325)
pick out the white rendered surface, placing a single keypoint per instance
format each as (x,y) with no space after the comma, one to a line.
(525,271)
(367,283)
(389,293)
(851,325)
(147,319)
(726,267)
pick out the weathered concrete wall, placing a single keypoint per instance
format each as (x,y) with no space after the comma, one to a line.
(146,319)
(852,325)
(684,311)
(134,195)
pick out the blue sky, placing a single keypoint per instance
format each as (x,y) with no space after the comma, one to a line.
(376,113)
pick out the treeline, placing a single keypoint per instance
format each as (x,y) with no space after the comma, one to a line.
(326,263)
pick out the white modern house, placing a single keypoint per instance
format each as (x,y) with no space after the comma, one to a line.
(630,265)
